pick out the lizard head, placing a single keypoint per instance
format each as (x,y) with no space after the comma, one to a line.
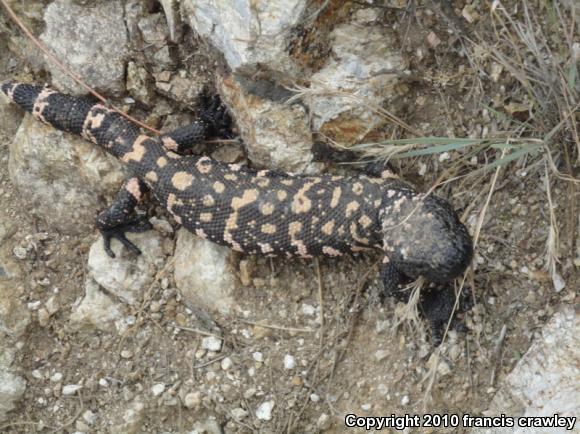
(423,236)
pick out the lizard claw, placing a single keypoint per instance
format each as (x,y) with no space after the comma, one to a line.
(140,224)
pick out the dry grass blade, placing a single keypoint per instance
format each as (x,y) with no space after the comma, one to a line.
(552,242)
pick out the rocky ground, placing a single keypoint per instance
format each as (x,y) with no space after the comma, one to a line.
(190,337)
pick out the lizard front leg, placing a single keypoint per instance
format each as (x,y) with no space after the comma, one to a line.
(120,217)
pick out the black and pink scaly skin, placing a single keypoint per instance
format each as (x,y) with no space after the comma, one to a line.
(265,212)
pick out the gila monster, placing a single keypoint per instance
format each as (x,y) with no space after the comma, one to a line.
(263,211)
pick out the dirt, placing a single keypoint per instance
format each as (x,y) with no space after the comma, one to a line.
(349,355)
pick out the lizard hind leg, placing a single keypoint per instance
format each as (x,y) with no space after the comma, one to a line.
(120,217)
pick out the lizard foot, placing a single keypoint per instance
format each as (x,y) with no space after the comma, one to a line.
(216,116)
(139,224)
(436,305)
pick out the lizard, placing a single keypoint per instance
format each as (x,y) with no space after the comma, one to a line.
(266,212)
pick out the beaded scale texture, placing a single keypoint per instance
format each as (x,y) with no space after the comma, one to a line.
(265,212)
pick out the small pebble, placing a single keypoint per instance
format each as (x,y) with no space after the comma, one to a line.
(20,252)
(56,377)
(258,357)
(381,355)
(405,400)
(211,343)
(264,411)
(158,389)
(239,413)
(71,389)
(89,417)
(33,305)
(314,397)
(289,362)
(308,310)
(126,354)
(323,422)
(103,382)
(192,400)
(226,363)
(558,282)
(365,407)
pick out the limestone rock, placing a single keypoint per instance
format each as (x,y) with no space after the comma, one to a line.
(173,19)
(155,34)
(204,273)
(127,275)
(277,135)
(545,381)
(10,116)
(91,40)
(96,310)
(183,87)
(363,65)
(14,316)
(62,177)
(12,389)
(131,420)
(251,34)
(139,84)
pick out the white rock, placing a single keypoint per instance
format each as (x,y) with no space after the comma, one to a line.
(545,380)
(314,397)
(14,315)
(12,389)
(308,309)
(323,421)
(558,282)
(364,63)
(56,377)
(61,176)
(92,40)
(20,252)
(381,355)
(276,134)
(131,420)
(239,413)
(211,343)
(96,310)
(33,305)
(264,410)
(258,356)
(89,417)
(158,389)
(71,389)
(127,275)
(226,364)
(405,400)
(289,362)
(252,34)
(204,272)
(192,400)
